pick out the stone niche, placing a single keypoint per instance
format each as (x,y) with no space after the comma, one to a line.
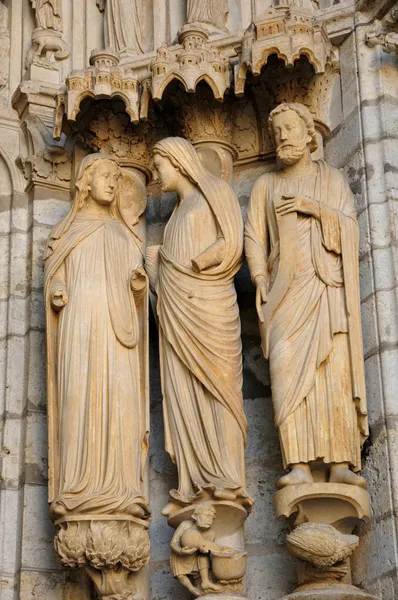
(215,88)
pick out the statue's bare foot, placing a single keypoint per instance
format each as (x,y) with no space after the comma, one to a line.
(297,476)
(342,474)
(196,592)
(210,587)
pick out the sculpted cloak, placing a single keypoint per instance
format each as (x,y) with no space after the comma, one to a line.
(208,11)
(313,338)
(123,24)
(199,325)
(48,14)
(97,352)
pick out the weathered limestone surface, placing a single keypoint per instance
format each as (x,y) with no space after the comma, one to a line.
(35,179)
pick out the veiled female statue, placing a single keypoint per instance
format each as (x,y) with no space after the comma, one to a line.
(124,24)
(208,11)
(200,345)
(96,308)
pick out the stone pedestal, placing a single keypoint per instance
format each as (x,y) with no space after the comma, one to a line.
(322,517)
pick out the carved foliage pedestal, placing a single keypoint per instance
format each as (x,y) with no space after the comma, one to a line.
(322,518)
(111,551)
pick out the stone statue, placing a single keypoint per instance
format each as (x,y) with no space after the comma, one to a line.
(124,25)
(200,346)
(48,14)
(191,546)
(213,12)
(96,306)
(301,244)
(48,47)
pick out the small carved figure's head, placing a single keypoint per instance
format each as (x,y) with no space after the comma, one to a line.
(204,515)
(98,179)
(292,127)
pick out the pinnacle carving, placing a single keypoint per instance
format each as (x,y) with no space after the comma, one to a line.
(289,31)
(194,60)
(104,79)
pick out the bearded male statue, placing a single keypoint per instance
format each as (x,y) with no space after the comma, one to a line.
(301,244)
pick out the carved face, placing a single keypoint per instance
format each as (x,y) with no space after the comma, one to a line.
(205,518)
(104,180)
(291,136)
(168,174)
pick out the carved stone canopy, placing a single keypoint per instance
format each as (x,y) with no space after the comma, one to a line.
(289,32)
(194,60)
(104,79)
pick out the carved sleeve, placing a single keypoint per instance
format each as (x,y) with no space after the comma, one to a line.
(332,219)
(58,280)
(256,236)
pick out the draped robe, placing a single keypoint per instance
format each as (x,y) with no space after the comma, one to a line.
(123,26)
(208,11)
(97,389)
(313,340)
(200,348)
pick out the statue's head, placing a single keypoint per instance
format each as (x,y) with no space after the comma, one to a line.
(292,127)
(168,174)
(204,515)
(173,158)
(98,178)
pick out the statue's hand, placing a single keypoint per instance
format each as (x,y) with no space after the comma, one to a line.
(59,298)
(261,295)
(301,204)
(204,550)
(187,551)
(138,281)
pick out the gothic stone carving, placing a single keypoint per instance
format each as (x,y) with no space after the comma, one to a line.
(47,42)
(50,167)
(302,249)
(123,27)
(198,561)
(289,32)
(385,33)
(96,310)
(110,131)
(105,79)
(201,369)
(212,12)
(194,60)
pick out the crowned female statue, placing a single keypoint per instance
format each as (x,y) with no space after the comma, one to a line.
(96,307)
(200,346)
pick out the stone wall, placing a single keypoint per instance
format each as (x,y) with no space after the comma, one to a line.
(364,144)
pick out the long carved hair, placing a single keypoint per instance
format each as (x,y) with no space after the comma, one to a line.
(81,192)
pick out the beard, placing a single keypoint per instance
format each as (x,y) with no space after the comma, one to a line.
(289,154)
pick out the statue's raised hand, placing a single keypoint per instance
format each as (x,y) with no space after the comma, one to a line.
(305,205)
